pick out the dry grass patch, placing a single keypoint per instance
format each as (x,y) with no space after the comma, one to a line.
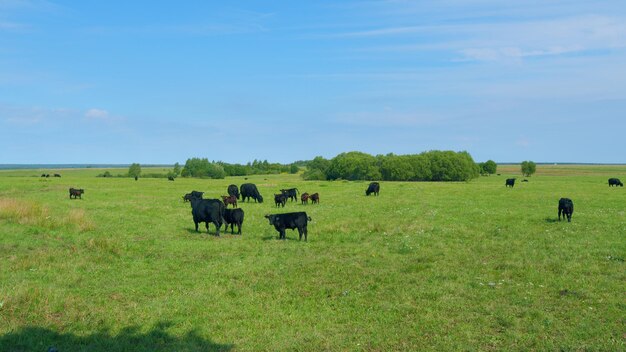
(30,213)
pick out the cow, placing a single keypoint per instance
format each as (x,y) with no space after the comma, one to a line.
(566,207)
(136,178)
(207,210)
(291,193)
(194,194)
(230,200)
(57,175)
(280,199)
(233,190)
(615,182)
(373,187)
(233,217)
(43,175)
(509,182)
(304,197)
(249,190)
(76,193)
(315,198)
(297,220)
(170,178)
(524,180)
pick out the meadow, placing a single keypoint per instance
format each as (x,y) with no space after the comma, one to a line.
(424,266)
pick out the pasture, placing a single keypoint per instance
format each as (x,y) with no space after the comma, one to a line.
(423,266)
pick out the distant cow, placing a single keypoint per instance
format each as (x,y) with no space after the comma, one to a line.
(280,199)
(233,190)
(509,182)
(524,180)
(194,194)
(566,207)
(304,197)
(57,175)
(230,200)
(76,193)
(291,193)
(207,210)
(315,198)
(373,187)
(249,190)
(233,217)
(136,178)
(170,178)
(292,221)
(43,175)
(615,182)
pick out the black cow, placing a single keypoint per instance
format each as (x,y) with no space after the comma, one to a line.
(315,198)
(292,221)
(136,178)
(566,207)
(233,190)
(193,194)
(249,190)
(43,175)
(615,182)
(374,187)
(76,193)
(207,210)
(233,217)
(170,178)
(57,175)
(291,193)
(280,199)
(509,182)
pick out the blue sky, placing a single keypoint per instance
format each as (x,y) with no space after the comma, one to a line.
(162,81)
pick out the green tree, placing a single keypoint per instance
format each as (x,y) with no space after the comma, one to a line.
(316,169)
(528,168)
(176,170)
(354,166)
(134,170)
(293,169)
(489,167)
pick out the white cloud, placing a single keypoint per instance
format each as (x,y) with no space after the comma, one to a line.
(97,114)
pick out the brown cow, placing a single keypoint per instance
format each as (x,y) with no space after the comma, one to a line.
(315,198)
(230,200)
(304,197)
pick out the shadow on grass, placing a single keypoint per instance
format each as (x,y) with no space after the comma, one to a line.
(34,338)
(551,220)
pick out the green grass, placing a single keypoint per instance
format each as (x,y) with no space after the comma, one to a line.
(424,266)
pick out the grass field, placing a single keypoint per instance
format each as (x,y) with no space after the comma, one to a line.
(423,266)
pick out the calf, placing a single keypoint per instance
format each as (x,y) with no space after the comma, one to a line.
(566,207)
(315,198)
(207,210)
(230,200)
(509,182)
(615,182)
(304,197)
(373,187)
(280,199)
(233,217)
(76,193)
(292,221)
(291,193)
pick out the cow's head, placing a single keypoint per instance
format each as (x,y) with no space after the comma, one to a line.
(259,198)
(271,218)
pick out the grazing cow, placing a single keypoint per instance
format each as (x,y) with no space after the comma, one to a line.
(566,207)
(47,175)
(292,221)
(193,194)
(524,180)
(43,175)
(249,190)
(170,178)
(315,198)
(233,190)
(373,187)
(233,217)
(291,193)
(509,182)
(57,175)
(304,197)
(230,200)
(76,193)
(280,199)
(136,178)
(615,182)
(207,210)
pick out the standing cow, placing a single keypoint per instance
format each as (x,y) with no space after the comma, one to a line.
(509,182)
(566,207)
(76,193)
(297,220)
(233,190)
(315,198)
(304,197)
(233,217)
(291,193)
(373,187)
(207,210)
(249,190)
(280,199)
(615,182)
